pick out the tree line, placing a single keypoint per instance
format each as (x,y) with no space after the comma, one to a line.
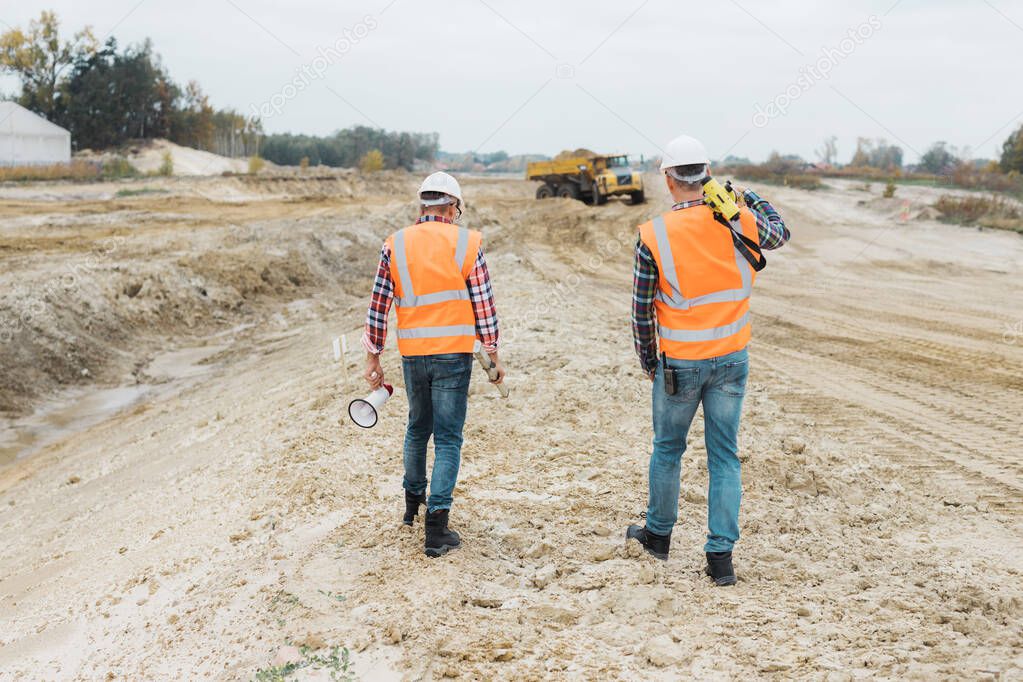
(940,158)
(106,95)
(347,148)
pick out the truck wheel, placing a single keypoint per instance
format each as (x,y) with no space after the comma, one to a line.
(598,198)
(637,197)
(569,191)
(544,191)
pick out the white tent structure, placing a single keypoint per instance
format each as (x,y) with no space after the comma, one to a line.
(27,139)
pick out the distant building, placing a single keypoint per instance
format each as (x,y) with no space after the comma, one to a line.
(27,139)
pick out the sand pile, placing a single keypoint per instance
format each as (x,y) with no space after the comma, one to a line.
(571,153)
(148,158)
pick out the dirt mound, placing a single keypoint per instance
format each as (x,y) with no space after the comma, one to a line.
(147,156)
(570,153)
(901,209)
(131,279)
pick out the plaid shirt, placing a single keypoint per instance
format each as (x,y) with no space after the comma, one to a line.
(480,294)
(771,230)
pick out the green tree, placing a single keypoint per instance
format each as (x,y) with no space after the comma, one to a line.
(1012,152)
(38,57)
(192,119)
(110,98)
(938,159)
(346,148)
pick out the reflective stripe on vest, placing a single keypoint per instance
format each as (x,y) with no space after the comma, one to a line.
(437,332)
(712,334)
(410,300)
(679,302)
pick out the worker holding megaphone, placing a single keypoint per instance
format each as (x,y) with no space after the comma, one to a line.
(436,275)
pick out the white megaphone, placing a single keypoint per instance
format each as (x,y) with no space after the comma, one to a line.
(363,411)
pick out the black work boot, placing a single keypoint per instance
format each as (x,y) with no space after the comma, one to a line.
(412,503)
(439,538)
(719,567)
(655,545)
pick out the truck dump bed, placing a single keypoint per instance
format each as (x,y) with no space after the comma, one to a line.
(537,170)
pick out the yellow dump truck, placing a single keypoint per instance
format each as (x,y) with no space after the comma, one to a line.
(588,178)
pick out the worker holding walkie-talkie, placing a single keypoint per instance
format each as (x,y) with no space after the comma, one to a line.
(694,273)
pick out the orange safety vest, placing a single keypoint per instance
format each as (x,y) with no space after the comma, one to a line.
(430,263)
(704,283)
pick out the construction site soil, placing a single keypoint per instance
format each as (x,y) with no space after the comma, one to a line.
(183,495)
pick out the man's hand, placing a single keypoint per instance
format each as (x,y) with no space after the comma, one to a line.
(497,366)
(374,372)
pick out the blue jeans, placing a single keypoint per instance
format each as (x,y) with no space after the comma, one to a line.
(720,383)
(438,394)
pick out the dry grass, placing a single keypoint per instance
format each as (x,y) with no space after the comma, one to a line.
(76,170)
(82,171)
(988,211)
(776,176)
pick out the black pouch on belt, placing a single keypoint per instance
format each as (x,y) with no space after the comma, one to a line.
(670,380)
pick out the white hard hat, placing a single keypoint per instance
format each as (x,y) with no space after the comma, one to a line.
(443,183)
(684,151)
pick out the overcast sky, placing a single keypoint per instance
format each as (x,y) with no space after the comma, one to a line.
(531,76)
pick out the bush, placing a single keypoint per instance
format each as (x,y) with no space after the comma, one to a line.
(988,211)
(802,181)
(83,171)
(304,163)
(256,164)
(372,162)
(167,166)
(76,170)
(889,189)
(117,168)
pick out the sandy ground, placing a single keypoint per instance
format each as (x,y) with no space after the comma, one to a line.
(228,510)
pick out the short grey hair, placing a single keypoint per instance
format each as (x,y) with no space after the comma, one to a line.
(436,199)
(690,174)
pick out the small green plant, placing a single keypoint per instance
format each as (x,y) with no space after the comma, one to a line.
(139,192)
(117,168)
(256,164)
(889,189)
(337,662)
(336,596)
(286,598)
(167,165)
